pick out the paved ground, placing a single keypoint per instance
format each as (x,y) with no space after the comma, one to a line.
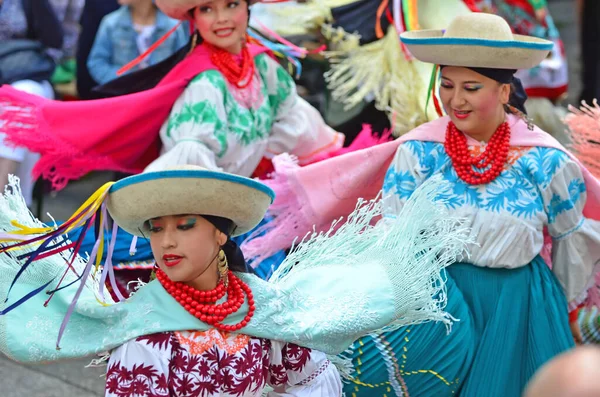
(71,379)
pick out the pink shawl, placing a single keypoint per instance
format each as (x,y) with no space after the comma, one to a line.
(318,194)
(119,134)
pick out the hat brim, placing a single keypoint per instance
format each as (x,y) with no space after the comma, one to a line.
(133,201)
(179,9)
(524,52)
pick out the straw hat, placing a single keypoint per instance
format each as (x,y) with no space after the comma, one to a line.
(188,190)
(179,9)
(477,40)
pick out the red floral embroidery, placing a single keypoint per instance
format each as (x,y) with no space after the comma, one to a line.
(295,357)
(141,380)
(160,341)
(214,372)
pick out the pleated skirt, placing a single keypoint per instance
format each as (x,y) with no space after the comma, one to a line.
(511,322)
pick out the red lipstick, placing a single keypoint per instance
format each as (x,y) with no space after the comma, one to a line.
(461,115)
(171,260)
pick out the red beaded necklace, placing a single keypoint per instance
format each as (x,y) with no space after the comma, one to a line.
(238,75)
(203,304)
(471,169)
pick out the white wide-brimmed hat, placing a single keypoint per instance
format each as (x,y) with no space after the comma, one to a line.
(477,40)
(188,190)
(179,9)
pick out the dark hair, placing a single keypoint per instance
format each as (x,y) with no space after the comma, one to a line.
(234,254)
(517,98)
(235,257)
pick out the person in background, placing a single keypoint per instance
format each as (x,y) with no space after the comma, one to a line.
(27,30)
(91,16)
(68,13)
(127,33)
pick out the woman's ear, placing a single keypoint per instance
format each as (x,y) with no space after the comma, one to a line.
(505,94)
(221,238)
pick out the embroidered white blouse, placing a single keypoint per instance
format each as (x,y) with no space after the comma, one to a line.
(221,127)
(214,363)
(539,188)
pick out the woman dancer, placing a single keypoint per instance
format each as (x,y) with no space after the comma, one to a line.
(511,181)
(204,326)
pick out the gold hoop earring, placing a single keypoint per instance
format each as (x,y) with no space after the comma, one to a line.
(153,274)
(194,42)
(523,117)
(223,268)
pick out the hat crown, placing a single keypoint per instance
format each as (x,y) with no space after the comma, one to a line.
(479,26)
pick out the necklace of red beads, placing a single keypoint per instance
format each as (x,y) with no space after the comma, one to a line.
(203,304)
(482,169)
(237,74)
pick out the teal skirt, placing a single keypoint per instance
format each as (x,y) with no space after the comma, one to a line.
(511,321)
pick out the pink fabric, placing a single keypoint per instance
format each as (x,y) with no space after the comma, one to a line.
(120,134)
(316,195)
(364,140)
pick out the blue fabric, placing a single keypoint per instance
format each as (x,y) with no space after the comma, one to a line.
(121,252)
(269,265)
(511,323)
(115,44)
(420,360)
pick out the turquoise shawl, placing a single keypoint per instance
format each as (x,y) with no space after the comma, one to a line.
(331,290)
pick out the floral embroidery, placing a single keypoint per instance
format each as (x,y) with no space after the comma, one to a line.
(558,205)
(182,364)
(140,380)
(514,153)
(517,191)
(231,115)
(199,342)
(401,181)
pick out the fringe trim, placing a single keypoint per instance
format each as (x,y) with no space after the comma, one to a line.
(308,15)
(380,69)
(60,161)
(287,212)
(343,363)
(412,248)
(584,124)
(339,40)
(102,361)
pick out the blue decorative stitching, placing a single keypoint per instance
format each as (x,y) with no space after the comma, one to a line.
(192,174)
(558,205)
(567,234)
(517,191)
(477,42)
